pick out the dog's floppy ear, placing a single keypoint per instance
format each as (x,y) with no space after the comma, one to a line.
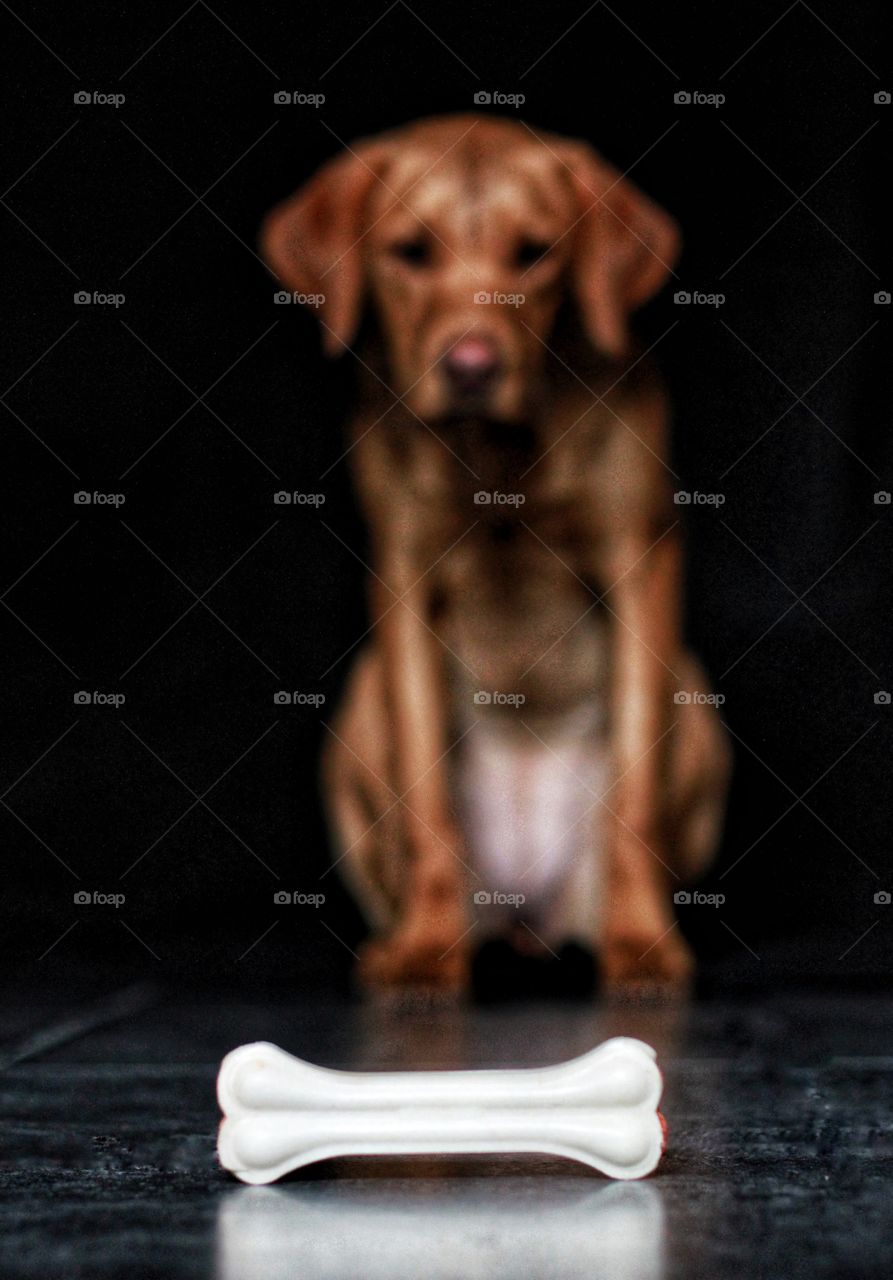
(624,247)
(312,240)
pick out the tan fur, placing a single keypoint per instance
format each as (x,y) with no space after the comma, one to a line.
(571,599)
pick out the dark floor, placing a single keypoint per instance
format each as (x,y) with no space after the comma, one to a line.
(780,1159)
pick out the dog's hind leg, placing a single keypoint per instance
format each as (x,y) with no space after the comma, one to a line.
(700,765)
(360,804)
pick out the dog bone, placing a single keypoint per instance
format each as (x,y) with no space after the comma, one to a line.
(280,1113)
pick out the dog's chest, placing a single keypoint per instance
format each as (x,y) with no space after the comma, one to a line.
(519,620)
(528,665)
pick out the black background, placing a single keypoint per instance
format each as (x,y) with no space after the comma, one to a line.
(110,405)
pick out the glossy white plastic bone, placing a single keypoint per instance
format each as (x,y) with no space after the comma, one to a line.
(280,1113)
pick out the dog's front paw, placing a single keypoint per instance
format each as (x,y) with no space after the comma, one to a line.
(420,953)
(640,963)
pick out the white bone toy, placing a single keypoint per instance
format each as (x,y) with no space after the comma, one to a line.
(280,1113)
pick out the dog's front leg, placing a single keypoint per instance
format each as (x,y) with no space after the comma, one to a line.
(641,944)
(427,944)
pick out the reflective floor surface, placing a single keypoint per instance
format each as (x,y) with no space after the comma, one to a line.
(780,1158)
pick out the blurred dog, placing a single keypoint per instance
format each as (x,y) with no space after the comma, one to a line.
(525,747)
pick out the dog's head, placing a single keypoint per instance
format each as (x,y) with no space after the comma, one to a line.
(465,234)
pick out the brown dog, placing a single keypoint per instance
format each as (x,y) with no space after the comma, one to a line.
(524,742)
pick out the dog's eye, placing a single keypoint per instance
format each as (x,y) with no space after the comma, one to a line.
(529,252)
(415,252)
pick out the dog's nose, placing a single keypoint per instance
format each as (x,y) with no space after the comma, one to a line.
(472,365)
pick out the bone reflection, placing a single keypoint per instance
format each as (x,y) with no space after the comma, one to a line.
(493,1227)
